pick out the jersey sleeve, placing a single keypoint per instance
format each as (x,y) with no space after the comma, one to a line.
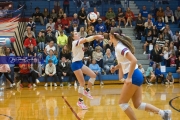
(77,42)
(123,50)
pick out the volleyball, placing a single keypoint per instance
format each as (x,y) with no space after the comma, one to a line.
(92,17)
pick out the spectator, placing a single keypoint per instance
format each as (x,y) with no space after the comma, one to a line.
(160,41)
(99,42)
(50,71)
(149,40)
(96,12)
(169,15)
(31,51)
(82,15)
(74,27)
(100,27)
(41,41)
(49,47)
(66,23)
(139,24)
(169,78)
(160,24)
(165,55)
(37,16)
(75,19)
(32,24)
(160,14)
(96,69)
(98,56)
(176,36)
(85,5)
(28,42)
(36,72)
(159,74)
(167,36)
(144,13)
(65,53)
(112,25)
(87,53)
(177,15)
(27,32)
(178,66)
(156,54)
(58,23)
(108,61)
(50,36)
(60,13)
(52,57)
(53,15)
(172,48)
(172,59)
(51,24)
(169,31)
(129,16)
(178,52)
(110,14)
(150,74)
(151,18)
(66,6)
(82,33)
(154,33)
(121,16)
(141,69)
(56,5)
(110,46)
(46,15)
(64,69)
(148,24)
(92,29)
(62,40)
(24,71)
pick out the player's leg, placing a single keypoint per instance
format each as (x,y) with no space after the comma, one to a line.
(138,104)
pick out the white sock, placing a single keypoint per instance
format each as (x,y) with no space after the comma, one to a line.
(161,112)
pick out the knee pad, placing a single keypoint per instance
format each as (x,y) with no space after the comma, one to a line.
(81,90)
(92,80)
(142,106)
(124,106)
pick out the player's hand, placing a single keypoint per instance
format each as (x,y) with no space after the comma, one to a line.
(128,81)
(113,69)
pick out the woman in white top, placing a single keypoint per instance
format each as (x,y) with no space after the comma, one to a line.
(127,65)
(77,46)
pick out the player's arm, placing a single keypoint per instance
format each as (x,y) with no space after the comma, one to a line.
(91,38)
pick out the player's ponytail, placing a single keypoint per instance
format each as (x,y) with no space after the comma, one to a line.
(69,43)
(123,39)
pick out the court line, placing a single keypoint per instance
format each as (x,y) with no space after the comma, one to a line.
(170,103)
(71,108)
(7,116)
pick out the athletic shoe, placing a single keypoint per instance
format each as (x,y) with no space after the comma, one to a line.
(55,85)
(101,83)
(144,52)
(37,81)
(75,84)
(11,85)
(29,86)
(82,105)
(61,85)
(87,94)
(46,85)
(69,84)
(34,85)
(167,115)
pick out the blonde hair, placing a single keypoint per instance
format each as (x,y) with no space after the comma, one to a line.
(2,51)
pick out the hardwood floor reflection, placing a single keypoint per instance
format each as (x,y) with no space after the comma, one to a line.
(47,104)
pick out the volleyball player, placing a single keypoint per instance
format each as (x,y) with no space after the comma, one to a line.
(127,65)
(77,46)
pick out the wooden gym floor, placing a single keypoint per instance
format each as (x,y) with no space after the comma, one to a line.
(60,103)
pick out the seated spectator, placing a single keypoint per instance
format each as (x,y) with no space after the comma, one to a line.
(50,36)
(74,27)
(109,46)
(148,24)
(60,13)
(50,71)
(28,42)
(169,78)
(177,15)
(27,32)
(45,15)
(149,40)
(64,69)
(160,14)
(108,61)
(144,12)
(149,75)
(110,14)
(75,19)
(53,15)
(92,29)
(96,12)
(82,15)
(31,51)
(160,24)
(49,47)
(169,31)
(82,33)
(167,36)
(24,71)
(121,17)
(88,24)
(178,66)
(100,27)
(160,41)
(155,33)
(165,55)
(169,15)
(65,53)
(58,23)
(156,54)
(151,18)
(85,5)
(139,24)
(32,24)
(172,59)
(51,24)
(36,71)
(159,74)
(57,34)
(129,16)
(62,40)
(37,16)
(176,36)
(96,69)
(41,41)
(87,53)
(178,52)
(112,25)
(52,57)
(141,69)
(65,23)
(98,56)
(99,42)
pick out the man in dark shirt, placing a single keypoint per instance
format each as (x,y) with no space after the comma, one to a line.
(37,16)
(50,37)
